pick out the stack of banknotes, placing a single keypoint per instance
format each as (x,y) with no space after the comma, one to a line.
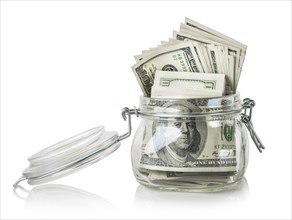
(196,62)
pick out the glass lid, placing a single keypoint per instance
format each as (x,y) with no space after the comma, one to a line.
(74,153)
(70,155)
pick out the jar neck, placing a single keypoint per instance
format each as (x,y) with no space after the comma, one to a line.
(190,108)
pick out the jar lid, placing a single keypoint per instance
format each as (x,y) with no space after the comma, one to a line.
(70,155)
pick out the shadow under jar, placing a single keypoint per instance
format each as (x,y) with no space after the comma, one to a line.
(190,144)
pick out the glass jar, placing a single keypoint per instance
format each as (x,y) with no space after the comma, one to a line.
(181,144)
(190,144)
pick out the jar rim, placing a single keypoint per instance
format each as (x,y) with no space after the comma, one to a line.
(189,108)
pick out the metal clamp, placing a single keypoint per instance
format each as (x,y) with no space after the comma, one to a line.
(128,112)
(248,105)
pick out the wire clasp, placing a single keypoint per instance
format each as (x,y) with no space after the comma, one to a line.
(247,107)
(126,114)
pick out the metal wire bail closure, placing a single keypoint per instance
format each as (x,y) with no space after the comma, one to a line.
(247,107)
(128,112)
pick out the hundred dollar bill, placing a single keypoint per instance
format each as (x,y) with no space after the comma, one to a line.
(172,41)
(169,84)
(201,34)
(211,51)
(197,29)
(162,92)
(145,53)
(187,178)
(181,57)
(189,80)
(190,146)
(206,29)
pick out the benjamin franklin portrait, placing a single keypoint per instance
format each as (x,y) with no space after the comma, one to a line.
(178,141)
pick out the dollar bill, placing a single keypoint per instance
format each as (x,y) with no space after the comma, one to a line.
(169,84)
(145,53)
(187,178)
(190,145)
(162,92)
(215,33)
(212,51)
(181,57)
(209,51)
(189,80)
(196,29)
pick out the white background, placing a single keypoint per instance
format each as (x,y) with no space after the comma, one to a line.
(66,67)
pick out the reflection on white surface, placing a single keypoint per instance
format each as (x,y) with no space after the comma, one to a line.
(60,201)
(180,204)
(54,200)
